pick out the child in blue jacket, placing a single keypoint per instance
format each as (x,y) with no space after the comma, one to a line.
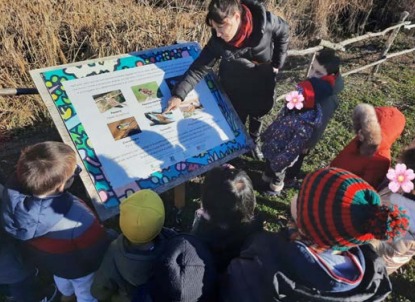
(59,233)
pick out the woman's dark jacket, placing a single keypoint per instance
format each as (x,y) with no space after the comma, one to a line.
(245,73)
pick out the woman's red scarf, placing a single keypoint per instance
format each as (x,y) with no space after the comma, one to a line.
(245,28)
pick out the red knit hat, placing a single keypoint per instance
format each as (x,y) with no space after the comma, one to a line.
(337,209)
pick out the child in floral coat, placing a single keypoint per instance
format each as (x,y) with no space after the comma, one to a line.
(300,125)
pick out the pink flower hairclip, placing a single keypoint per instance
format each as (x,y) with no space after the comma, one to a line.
(294,100)
(401,177)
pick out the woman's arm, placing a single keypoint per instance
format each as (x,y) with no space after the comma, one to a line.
(280,38)
(199,68)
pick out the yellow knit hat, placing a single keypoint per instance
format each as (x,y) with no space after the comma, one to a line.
(142,216)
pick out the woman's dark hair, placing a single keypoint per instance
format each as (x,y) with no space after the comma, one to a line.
(218,10)
(228,196)
(329,60)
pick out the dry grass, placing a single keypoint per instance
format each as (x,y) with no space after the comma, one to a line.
(36,34)
(319,18)
(41,33)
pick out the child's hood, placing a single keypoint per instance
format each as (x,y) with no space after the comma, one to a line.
(315,90)
(327,86)
(26,217)
(338,84)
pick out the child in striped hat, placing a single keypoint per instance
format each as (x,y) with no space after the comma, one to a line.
(335,213)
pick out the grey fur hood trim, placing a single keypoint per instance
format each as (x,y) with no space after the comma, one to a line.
(367,127)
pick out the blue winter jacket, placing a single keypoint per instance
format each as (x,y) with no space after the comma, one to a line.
(60,233)
(12,267)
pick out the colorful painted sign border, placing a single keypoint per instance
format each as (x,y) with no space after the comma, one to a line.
(159,181)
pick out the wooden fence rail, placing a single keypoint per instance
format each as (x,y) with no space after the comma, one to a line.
(341,47)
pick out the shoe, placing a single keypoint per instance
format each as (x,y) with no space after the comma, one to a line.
(274,189)
(257,153)
(276,186)
(228,166)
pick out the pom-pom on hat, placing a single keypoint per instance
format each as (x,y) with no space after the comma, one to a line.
(142,216)
(185,271)
(337,209)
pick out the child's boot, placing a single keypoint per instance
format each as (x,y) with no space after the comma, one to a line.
(275,188)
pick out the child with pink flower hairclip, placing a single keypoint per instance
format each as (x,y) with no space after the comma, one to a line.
(400,192)
(401,178)
(301,123)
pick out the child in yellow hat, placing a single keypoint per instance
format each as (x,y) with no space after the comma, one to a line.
(129,260)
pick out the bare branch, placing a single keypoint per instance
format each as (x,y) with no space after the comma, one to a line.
(302,52)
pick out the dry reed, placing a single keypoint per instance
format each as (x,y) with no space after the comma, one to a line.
(36,34)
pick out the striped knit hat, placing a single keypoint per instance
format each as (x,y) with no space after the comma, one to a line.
(337,209)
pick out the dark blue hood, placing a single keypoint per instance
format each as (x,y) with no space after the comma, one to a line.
(25,217)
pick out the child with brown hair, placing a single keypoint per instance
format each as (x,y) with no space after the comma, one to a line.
(59,232)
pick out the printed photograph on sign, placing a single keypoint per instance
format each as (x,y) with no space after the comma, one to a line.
(109,100)
(146,92)
(190,106)
(124,128)
(159,118)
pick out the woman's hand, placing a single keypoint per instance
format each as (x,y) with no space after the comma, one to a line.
(173,103)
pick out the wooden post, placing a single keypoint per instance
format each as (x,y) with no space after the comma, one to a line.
(179,196)
(311,64)
(390,40)
(18,91)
